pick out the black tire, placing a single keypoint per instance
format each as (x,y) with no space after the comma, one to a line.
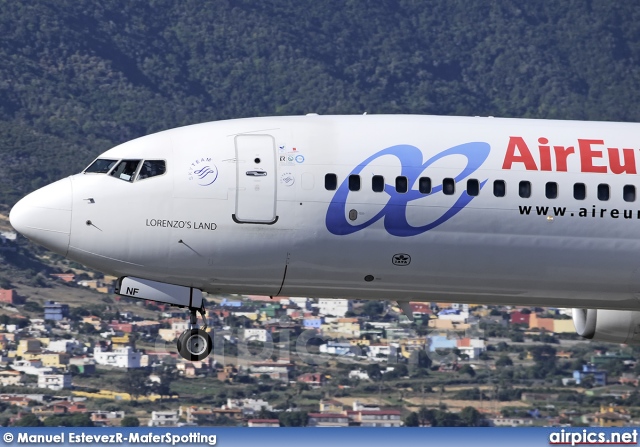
(180,341)
(194,345)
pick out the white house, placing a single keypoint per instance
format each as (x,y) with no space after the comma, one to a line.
(256,334)
(471,346)
(106,418)
(122,357)
(362,406)
(63,345)
(381,351)
(376,418)
(454,315)
(54,381)
(8,236)
(358,374)
(249,406)
(31,367)
(510,422)
(338,348)
(9,378)
(163,419)
(38,324)
(180,326)
(338,307)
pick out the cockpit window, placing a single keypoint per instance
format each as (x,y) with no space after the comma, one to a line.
(101,166)
(151,168)
(125,170)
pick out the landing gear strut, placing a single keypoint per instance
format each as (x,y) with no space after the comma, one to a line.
(195,343)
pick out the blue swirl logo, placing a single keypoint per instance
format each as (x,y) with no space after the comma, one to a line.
(395,211)
(206,175)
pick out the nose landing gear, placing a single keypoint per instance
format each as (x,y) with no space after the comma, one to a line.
(195,344)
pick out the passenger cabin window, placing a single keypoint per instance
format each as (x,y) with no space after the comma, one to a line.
(377,183)
(473,187)
(424,185)
(551,190)
(603,191)
(524,189)
(125,170)
(402,184)
(354,183)
(330,182)
(100,166)
(449,186)
(629,193)
(152,168)
(499,188)
(579,191)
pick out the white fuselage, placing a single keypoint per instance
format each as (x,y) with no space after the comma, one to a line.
(244,208)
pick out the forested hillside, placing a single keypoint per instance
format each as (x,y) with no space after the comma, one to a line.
(79,76)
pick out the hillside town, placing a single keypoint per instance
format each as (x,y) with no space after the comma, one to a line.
(302,361)
(73,353)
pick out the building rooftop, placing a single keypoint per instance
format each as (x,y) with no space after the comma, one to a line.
(327,415)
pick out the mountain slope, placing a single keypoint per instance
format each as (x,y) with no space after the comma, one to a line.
(77,77)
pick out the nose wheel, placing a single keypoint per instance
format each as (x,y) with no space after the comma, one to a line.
(195,344)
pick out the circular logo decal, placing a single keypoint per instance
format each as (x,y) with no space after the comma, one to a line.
(287,179)
(203,171)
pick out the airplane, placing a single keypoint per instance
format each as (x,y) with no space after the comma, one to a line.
(385,207)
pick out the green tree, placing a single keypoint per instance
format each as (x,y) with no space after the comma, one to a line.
(446,419)
(426,416)
(266,414)
(73,420)
(401,370)
(544,357)
(87,328)
(373,309)
(470,394)
(504,360)
(29,420)
(516,337)
(587,381)
(468,369)
(470,417)
(130,421)
(293,419)
(134,382)
(577,364)
(373,370)
(32,306)
(167,375)
(412,420)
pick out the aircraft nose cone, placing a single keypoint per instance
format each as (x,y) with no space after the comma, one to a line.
(44,216)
